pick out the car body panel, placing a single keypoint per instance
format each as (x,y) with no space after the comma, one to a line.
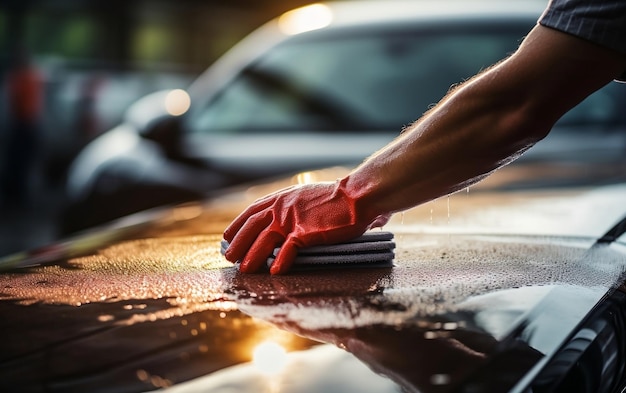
(486,287)
(255,155)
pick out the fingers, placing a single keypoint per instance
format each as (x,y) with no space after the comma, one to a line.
(246,235)
(260,251)
(285,257)
(244,217)
(257,206)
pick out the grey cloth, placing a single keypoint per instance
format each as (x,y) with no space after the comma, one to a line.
(602,22)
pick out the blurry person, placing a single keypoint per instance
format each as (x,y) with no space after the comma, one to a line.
(576,48)
(25,104)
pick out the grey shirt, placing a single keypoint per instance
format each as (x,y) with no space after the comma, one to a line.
(602,22)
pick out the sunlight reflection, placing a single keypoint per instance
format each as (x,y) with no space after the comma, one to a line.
(186,212)
(269,358)
(310,17)
(305,177)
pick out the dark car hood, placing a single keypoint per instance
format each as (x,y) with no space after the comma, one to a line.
(486,286)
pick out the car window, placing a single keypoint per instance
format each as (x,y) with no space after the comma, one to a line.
(366,82)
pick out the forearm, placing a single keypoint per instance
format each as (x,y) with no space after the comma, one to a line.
(465,138)
(484,124)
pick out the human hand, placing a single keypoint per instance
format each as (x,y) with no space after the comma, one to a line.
(297,217)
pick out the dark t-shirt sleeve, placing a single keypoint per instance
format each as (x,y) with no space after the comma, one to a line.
(602,22)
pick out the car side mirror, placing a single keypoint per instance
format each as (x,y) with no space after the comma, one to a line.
(156,116)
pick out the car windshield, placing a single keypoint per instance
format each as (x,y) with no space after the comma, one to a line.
(372,81)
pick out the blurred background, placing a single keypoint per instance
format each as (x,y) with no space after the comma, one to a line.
(82,64)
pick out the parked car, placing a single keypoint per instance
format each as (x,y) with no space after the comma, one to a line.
(327,84)
(490,291)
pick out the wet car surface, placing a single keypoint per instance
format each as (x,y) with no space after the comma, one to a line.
(488,290)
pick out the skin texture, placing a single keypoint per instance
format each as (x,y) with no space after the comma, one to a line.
(480,126)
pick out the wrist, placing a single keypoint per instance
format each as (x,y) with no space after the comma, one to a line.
(361,197)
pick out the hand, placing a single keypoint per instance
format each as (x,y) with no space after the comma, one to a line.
(297,217)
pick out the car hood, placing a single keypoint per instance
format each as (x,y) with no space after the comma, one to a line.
(486,286)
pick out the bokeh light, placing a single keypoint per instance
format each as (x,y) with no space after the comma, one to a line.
(177,102)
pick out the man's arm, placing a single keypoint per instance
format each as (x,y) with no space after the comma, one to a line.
(487,122)
(480,126)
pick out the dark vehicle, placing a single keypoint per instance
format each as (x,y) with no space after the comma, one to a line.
(490,291)
(323,85)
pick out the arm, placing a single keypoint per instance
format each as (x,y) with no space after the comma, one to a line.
(487,122)
(478,127)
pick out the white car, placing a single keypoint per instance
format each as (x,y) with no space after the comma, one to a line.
(323,85)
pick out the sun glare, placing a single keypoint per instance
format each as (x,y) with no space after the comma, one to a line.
(307,18)
(305,177)
(269,358)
